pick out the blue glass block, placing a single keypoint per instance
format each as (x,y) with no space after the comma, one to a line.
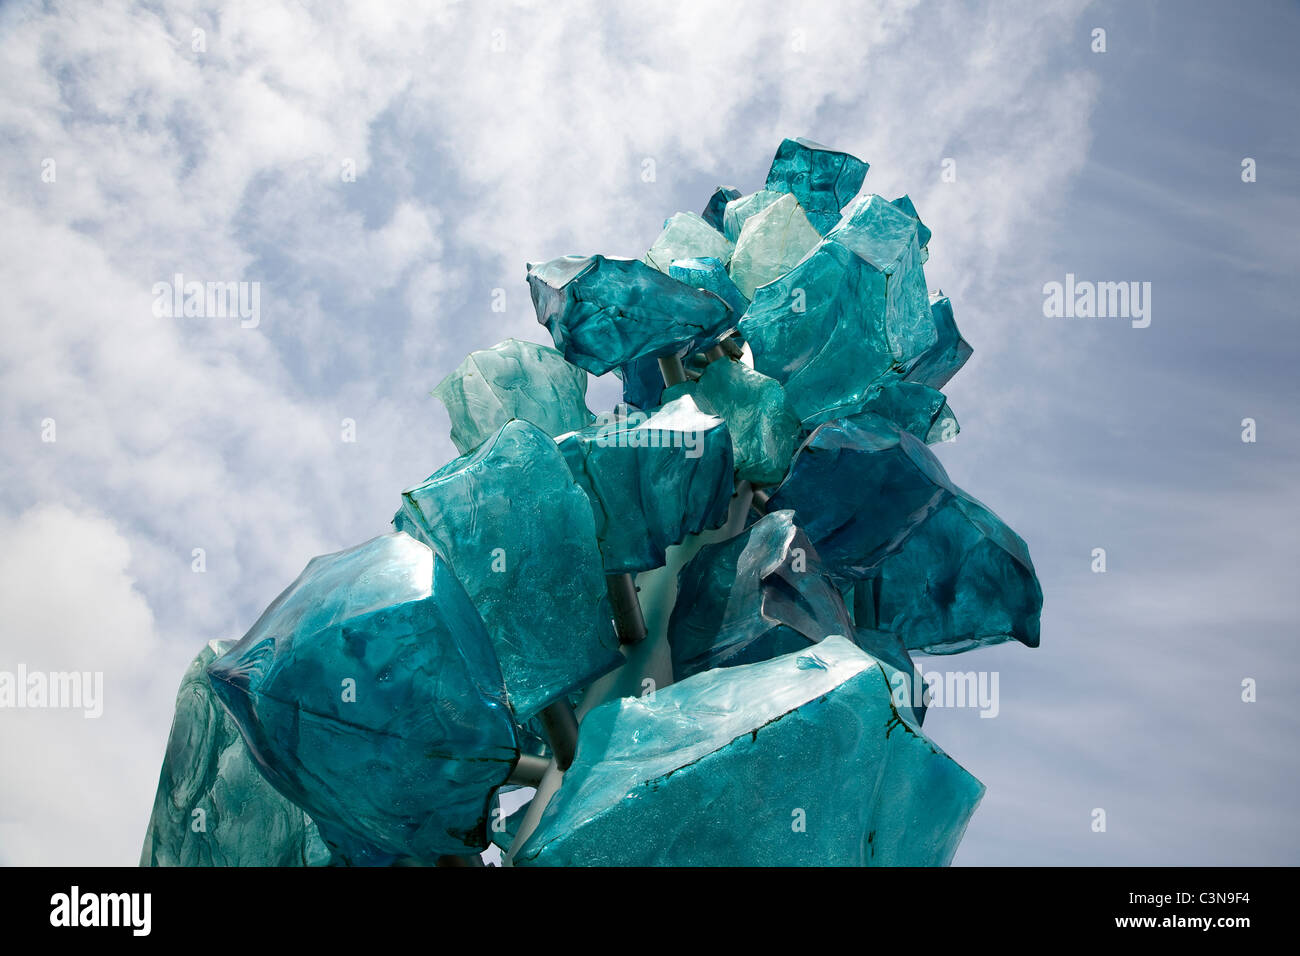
(652,480)
(513,380)
(604,312)
(798,761)
(717,205)
(368,694)
(751,598)
(824,180)
(213,806)
(518,532)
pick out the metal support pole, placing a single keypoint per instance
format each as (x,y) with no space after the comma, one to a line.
(629,622)
(528,771)
(561,728)
(671,368)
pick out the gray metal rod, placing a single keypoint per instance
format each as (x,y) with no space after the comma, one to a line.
(671,368)
(529,770)
(629,622)
(561,728)
(761,498)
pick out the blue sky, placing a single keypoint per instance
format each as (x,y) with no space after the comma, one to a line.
(487,135)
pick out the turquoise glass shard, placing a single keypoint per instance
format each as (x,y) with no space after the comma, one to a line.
(604,312)
(737,212)
(938,363)
(771,244)
(652,480)
(213,806)
(800,760)
(643,383)
(862,598)
(851,315)
(862,489)
(857,486)
(824,180)
(751,598)
(518,532)
(513,380)
(919,409)
(687,236)
(717,205)
(369,695)
(923,233)
(709,274)
(763,427)
(961,580)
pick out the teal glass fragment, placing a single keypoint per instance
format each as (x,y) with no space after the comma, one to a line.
(710,275)
(739,210)
(771,243)
(800,760)
(652,480)
(857,486)
(862,489)
(513,380)
(851,315)
(962,579)
(753,597)
(913,407)
(687,236)
(938,363)
(213,806)
(504,516)
(824,180)
(603,312)
(643,380)
(923,233)
(717,205)
(369,695)
(643,383)
(764,428)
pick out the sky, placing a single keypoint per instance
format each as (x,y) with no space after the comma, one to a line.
(383,172)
